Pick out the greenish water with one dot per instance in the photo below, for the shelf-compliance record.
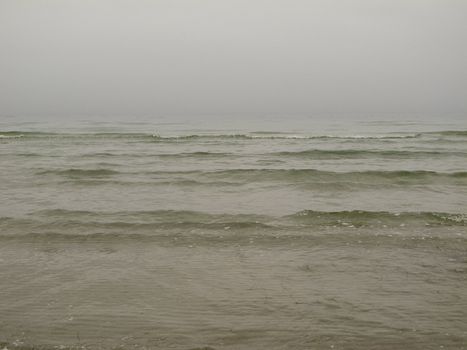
(266, 234)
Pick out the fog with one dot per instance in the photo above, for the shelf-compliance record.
(103, 58)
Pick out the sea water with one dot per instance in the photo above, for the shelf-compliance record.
(226, 233)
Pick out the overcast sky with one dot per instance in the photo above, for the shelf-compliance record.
(232, 57)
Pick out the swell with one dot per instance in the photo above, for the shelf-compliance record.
(195, 216)
(72, 135)
(311, 153)
(250, 135)
(282, 136)
(77, 226)
(268, 174)
(169, 222)
(262, 174)
(149, 216)
(156, 137)
(459, 133)
(198, 154)
(243, 136)
(355, 153)
(362, 218)
(79, 173)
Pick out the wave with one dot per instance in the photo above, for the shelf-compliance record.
(17, 134)
(354, 153)
(82, 221)
(255, 174)
(249, 175)
(459, 133)
(187, 183)
(177, 216)
(159, 138)
(194, 155)
(198, 154)
(5, 137)
(170, 215)
(72, 135)
(362, 218)
(62, 222)
(76, 172)
(278, 136)
(242, 136)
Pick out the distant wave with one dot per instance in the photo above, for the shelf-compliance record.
(311, 153)
(156, 137)
(253, 174)
(75, 172)
(194, 155)
(267, 174)
(244, 136)
(460, 133)
(198, 154)
(268, 136)
(355, 153)
(72, 135)
(11, 135)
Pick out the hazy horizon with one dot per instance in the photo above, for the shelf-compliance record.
(124, 59)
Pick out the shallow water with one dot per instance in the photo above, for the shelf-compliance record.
(239, 235)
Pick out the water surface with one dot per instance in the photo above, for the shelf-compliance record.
(266, 234)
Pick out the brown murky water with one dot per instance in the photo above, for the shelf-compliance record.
(233, 240)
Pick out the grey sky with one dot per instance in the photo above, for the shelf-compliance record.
(232, 57)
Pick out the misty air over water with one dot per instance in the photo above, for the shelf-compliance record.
(233, 174)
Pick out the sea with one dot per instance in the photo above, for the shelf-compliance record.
(233, 233)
